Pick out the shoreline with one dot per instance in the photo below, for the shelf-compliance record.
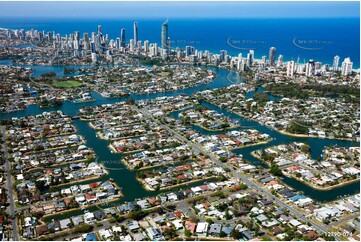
(173, 186)
(277, 130)
(316, 187)
(75, 209)
(313, 186)
(150, 167)
(255, 144)
(60, 164)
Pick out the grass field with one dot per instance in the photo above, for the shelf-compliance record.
(67, 84)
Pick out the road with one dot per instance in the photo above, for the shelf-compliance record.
(342, 220)
(9, 184)
(237, 175)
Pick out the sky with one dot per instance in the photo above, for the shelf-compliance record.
(138, 10)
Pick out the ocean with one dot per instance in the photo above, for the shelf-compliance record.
(296, 39)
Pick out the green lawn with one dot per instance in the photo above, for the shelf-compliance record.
(66, 84)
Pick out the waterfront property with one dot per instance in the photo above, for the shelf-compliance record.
(294, 160)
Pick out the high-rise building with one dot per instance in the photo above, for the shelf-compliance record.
(336, 61)
(117, 43)
(139, 45)
(346, 68)
(99, 29)
(264, 58)
(249, 60)
(92, 47)
(131, 45)
(76, 45)
(252, 55)
(222, 55)
(310, 68)
(146, 46)
(280, 60)
(135, 32)
(290, 68)
(272, 56)
(240, 56)
(190, 50)
(318, 65)
(50, 36)
(164, 37)
(94, 57)
(76, 35)
(122, 37)
(153, 49)
(86, 37)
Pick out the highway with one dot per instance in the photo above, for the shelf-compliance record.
(244, 179)
(9, 184)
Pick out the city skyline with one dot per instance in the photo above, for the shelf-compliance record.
(181, 9)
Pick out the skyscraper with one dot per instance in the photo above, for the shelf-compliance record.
(336, 61)
(252, 55)
(117, 43)
(222, 55)
(240, 56)
(122, 37)
(346, 68)
(77, 35)
(310, 68)
(290, 68)
(146, 46)
(50, 36)
(135, 32)
(99, 29)
(272, 56)
(280, 60)
(249, 60)
(164, 37)
(190, 50)
(131, 45)
(86, 37)
(264, 59)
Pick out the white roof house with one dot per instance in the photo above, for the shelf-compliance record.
(202, 228)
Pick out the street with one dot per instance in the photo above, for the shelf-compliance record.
(244, 179)
(7, 165)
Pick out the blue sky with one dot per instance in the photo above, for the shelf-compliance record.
(181, 9)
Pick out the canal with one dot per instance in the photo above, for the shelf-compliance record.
(126, 179)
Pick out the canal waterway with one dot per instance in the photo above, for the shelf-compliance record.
(126, 179)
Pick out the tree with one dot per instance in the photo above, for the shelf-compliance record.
(297, 127)
(261, 98)
(235, 234)
(136, 215)
(170, 233)
(275, 170)
(40, 185)
(209, 220)
(187, 233)
(222, 234)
